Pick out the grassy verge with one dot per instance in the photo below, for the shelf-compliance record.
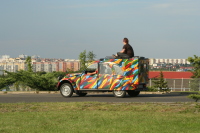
(188, 91)
(98, 117)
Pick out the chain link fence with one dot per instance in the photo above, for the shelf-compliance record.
(181, 84)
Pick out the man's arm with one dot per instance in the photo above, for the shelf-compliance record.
(92, 73)
(123, 50)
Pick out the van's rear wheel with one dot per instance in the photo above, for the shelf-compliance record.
(119, 94)
(133, 93)
(66, 90)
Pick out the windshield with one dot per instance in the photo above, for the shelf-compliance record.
(92, 67)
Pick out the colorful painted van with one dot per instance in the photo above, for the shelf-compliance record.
(119, 76)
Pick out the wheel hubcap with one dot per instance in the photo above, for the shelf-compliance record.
(118, 93)
(65, 90)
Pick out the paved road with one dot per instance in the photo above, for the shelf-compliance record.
(14, 98)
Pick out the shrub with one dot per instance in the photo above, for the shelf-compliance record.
(196, 97)
(152, 89)
(161, 83)
(194, 84)
(165, 90)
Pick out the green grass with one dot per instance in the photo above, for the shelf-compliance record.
(92, 117)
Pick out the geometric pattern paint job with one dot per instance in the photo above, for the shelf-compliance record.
(129, 78)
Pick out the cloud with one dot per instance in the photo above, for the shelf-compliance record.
(176, 7)
(85, 5)
(75, 6)
(161, 6)
(103, 4)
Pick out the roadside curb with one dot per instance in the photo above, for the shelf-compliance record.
(184, 93)
(28, 92)
(55, 92)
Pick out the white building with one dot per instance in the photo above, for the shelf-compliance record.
(5, 56)
(35, 57)
(23, 56)
(151, 61)
(167, 61)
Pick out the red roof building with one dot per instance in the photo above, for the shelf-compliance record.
(171, 74)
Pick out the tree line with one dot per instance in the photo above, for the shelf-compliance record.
(43, 81)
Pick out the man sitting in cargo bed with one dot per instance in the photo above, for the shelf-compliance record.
(127, 50)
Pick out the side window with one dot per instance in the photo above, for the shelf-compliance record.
(118, 70)
(143, 67)
(104, 69)
(108, 70)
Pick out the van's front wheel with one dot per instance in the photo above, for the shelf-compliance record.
(66, 90)
(119, 94)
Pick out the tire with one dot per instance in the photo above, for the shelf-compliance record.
(66, 90)
(119, 94)
(133, 93)
(80, 94)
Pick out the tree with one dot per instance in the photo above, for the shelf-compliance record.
(6, 81)
(195, 84)
(57, 74)
(195, 81)
(90, 56)
(161, 83)
(28, 62)
(83, 61)
(196, 64)
(70, 70)
(196, 97)
(42, 82)
(86, 58)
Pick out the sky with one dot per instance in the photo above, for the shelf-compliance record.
(64, 28)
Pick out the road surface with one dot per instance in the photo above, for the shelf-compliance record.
(14, 98)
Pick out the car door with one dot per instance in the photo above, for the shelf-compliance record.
(105, 78)
(87, 80)
(117, 77)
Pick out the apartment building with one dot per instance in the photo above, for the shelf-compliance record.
(38, 64)
(76, 66)
(61, 66)
(168, 61)
(13, 65)
(47, 67)
(55, 66)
